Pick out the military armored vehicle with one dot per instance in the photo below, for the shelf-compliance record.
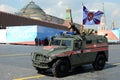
(71, 50)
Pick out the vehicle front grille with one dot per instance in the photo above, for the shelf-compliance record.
(41, 58)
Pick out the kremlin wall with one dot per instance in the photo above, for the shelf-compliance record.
(32, 22)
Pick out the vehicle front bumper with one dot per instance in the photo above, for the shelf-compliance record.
(40, 64)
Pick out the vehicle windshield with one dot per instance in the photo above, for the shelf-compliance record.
(62, 42)
(56, 42)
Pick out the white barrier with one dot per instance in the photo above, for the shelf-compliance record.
(2, 35)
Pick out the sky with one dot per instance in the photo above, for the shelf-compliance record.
(58, 8)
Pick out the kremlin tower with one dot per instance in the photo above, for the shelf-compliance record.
(103, 21)
(68, 18)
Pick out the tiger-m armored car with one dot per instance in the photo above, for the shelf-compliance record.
(67, 51)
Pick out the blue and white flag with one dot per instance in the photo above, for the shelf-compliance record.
(91, 17)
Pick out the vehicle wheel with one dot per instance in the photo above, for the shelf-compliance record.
(60, 68)
(99, 62)
(40, 70)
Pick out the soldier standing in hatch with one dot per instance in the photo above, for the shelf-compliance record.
(95, 32)
(82, 29)
(72, 28)
(86, 31)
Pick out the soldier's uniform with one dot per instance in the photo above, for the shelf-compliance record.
(86, 31)
(81, 31)
(73, 29)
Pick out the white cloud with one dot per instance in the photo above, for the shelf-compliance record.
(48, 11)
(6, 8)
(60, 3)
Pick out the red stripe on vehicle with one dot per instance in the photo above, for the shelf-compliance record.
(82, 51)
(95, 45)
(95, 49)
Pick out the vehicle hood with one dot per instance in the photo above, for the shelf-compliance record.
(52, 50)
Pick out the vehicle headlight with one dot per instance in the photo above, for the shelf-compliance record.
(32, 55)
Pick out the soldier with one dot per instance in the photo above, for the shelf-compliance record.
(46, 41)
(95, 32)
(73, 28)
(85, 31)
(36, 41)
(81, 29)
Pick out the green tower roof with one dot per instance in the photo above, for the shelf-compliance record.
(68, 14)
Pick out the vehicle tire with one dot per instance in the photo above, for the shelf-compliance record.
(60, 68)
(40, 70)
(99, 62)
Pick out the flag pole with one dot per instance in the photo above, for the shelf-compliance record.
(81, 25)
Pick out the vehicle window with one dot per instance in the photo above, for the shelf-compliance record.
(66, 43)
(77, 44)
(99, 41)
(88, 41)
(56, 42)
